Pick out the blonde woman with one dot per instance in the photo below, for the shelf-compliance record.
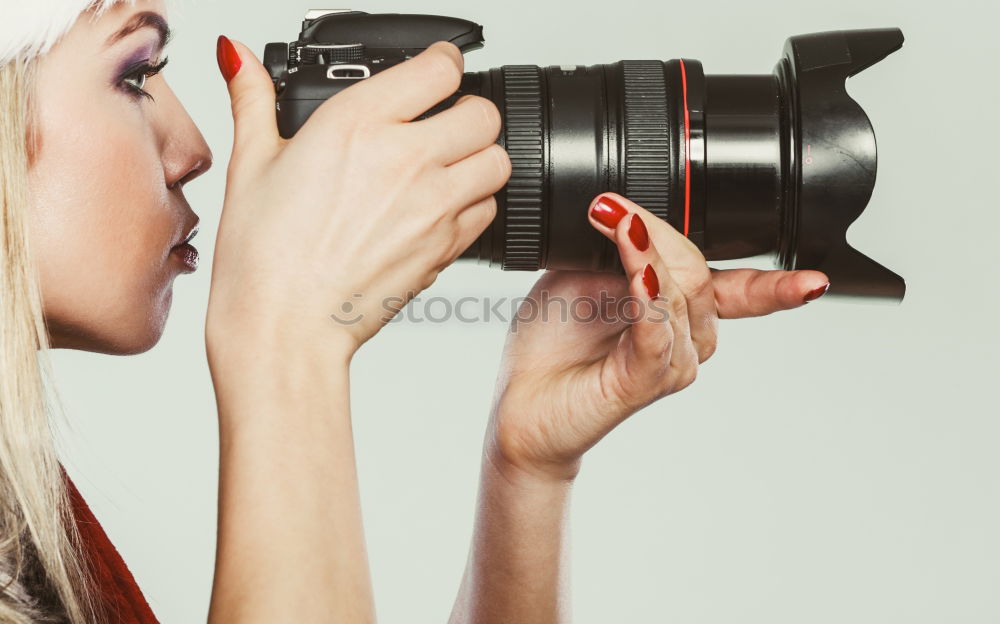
(96, 152)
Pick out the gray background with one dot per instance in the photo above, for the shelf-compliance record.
(833, 464)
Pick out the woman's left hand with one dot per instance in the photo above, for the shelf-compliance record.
(566, 382)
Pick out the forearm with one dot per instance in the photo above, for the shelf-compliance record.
(290, 537)
(517, 568)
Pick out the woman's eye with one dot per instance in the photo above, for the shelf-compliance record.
(135, 80)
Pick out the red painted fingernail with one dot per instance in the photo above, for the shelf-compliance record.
(608, 212)
(817, 293)
(228, 57)
(638, 233)
(650, 281)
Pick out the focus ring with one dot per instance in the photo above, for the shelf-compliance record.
(647, 136)
(523, 135)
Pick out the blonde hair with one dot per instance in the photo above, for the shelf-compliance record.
(44, 576)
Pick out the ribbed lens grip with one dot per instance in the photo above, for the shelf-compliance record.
(523, 133)
(647, 136)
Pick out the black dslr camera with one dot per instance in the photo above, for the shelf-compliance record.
(743, 165)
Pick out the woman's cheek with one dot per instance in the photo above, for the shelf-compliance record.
(103, 233)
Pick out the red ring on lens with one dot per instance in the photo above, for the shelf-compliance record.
(687, 152)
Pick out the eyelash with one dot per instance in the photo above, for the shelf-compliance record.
(140, 74)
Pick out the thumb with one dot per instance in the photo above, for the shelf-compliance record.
(252, 93)
(742, 293)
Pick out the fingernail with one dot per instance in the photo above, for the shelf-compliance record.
(638, 233)
(228, 57)
(608, 212)
(817, 293)
(650, 281)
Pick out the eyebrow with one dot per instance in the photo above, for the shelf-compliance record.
(146, 19)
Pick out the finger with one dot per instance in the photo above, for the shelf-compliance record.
(742, 293)
(251, 92)
(469, 126)
(682, 258)
(478, 176)
(686, 262)
(651, 278)
(409, 89)
(471, 222)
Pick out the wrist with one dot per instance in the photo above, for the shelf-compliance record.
(239, 336)
(257, 366)
(520, 492)
(526, 471)
(263, 384)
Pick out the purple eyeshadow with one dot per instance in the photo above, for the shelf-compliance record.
(133, 61)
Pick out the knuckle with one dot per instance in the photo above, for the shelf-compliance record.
(493, 169)
(451, 251)
(503, 161)
(247, 100)
(616, 389)
(433, 218)
(485, 213)
(664, 350)
(691, 376)
(399, 150)
(445, 68)
(452, 53)
(708, 337)
(417, 154)
(456, 246)
(450, 247)
(489, 211)
(678, 308)
(490, 114)
(685, 377)
(703, 284)
(443, 195)
(707, 350)
(372, 147)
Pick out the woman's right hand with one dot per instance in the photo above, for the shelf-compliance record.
(328, 231)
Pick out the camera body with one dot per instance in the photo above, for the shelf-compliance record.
(340, 47)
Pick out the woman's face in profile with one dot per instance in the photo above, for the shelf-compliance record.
(108, 216)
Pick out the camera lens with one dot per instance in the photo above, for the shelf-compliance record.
(776, 164)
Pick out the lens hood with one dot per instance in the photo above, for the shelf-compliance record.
(832, 159)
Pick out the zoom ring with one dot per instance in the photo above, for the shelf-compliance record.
(647, 136)
(523, 134)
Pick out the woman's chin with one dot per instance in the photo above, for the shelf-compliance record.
(130, 333)
(134, 345)
(119, 343)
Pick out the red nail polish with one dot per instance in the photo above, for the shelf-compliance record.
(638, 233)
(228, 57)
(816, 293)
(650, 281)
(608, 212)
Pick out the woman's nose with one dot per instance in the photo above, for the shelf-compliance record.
(185, 153)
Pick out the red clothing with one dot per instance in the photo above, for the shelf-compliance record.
(121, 595)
